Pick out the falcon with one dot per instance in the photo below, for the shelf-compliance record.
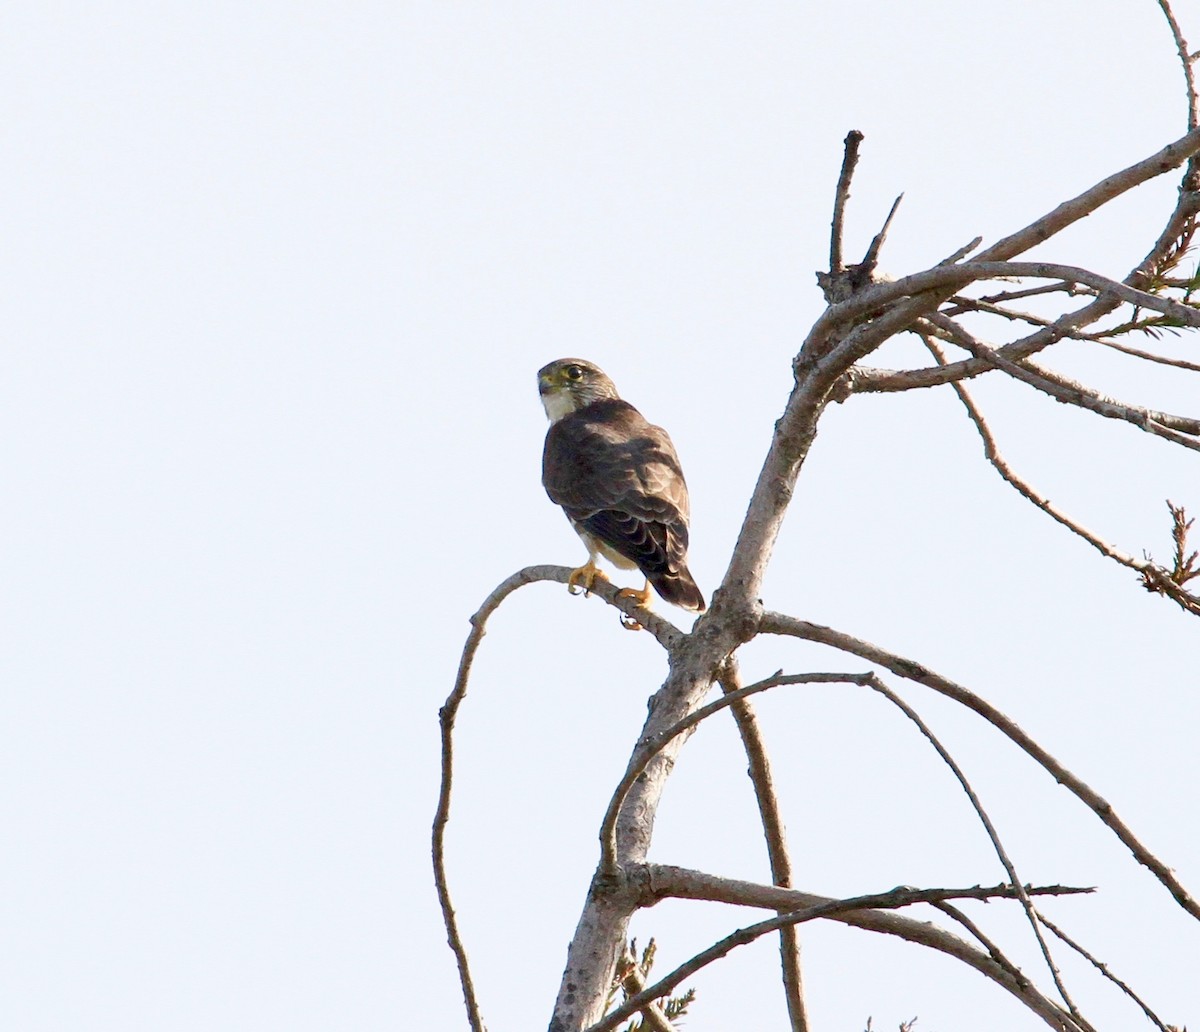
(618, 479)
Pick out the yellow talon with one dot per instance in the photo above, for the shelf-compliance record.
(641, 598)
(586, 576)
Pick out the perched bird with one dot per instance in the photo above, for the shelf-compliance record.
(618, 479)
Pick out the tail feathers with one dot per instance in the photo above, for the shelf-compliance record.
(679, 589)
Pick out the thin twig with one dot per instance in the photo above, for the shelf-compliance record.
(759, 769)
(900, 897)
(997, 955)
(1186, 61)
(1103, 969)
(1177, 363)
(780, 623)
(997, 845)
(1017, 295)
(941, 277)
(1155, 578)
(992, 453)
(1188, 315)
(648, 748)
(962, 252)
(871, 259)
(1181, 430)
(963, 305)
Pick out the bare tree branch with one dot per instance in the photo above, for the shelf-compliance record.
(1186, 61)
(651, 746)
(1180, 227)
(1154, 578)
(1188, 315)
(997, 845)
(940, 277)
(994, 951)
(843, 336)
(895, 898)
(849, 160)
(633, 983)
(652, 883)
(1103, 969)
(779, 623)
(1177, 363)
(667, 636)
(993, 455)
(922, 300)
(1181, 430)
(759, 769)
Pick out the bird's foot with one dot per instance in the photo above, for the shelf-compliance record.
(584, 577)
(641, 598)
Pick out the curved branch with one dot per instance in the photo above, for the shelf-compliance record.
(1103, 969)
(780, 623)
(992, 453)
(994, 951)
(993, 835)
(649, 747)
(665, 632)
(1185, 60)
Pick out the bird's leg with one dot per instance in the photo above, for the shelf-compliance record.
(585, 575)
(641, 598)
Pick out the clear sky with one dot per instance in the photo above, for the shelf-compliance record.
(276, 282)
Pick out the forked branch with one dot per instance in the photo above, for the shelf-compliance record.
(1050, 1012)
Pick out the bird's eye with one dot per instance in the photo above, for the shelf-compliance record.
(574, 372)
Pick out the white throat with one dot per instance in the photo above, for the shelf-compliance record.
(558, 404)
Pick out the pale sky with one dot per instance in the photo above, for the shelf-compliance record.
(277, 280)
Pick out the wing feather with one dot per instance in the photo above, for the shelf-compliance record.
(618, 476)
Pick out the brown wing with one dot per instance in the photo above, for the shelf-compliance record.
(618, 477)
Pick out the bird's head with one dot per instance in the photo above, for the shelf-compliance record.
(568, 384)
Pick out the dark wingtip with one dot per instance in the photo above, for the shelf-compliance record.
(680, 590)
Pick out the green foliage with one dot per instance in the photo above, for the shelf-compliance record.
(632, 975)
